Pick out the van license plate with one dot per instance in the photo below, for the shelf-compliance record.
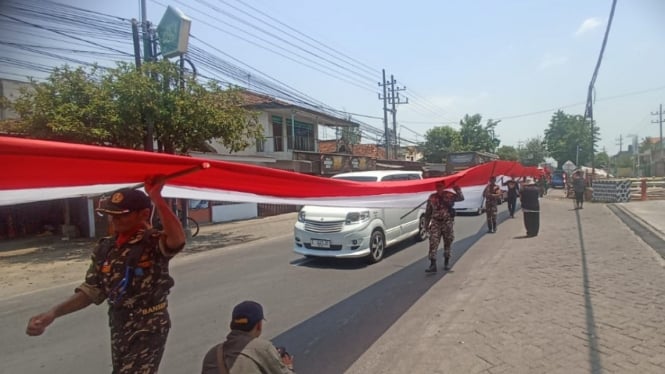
(319, 243)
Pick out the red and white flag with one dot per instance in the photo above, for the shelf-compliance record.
(35, 170)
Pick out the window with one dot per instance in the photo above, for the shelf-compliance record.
(304, 135)
(278, 145)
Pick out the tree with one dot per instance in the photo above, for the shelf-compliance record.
(111, 108)
(508, 153)
(533, 153)
(476, 137)
(565, 133)
(439, 141)
(602, 160)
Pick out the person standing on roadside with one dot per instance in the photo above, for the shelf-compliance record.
(579, 185)
(131, 272)
(513, 194)
(492, 195)
(244, 351)
(530, 207)
(440, 219)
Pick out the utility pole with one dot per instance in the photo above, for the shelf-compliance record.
(577, 155)
(137, 45)
(147, 56)
(659, 122)
(620, 143)
(395, 99)
(384, 84)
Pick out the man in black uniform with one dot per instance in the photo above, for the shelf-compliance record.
(513, 194)
(531, 207)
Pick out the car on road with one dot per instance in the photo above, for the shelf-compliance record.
(473, 202)
(345, 232)
(558, 180)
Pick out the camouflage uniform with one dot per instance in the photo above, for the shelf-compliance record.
(491, 204)
(440, 217)
(134, 277)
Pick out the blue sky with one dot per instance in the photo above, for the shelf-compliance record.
(502, 59)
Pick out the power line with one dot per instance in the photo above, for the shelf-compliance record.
(336, 53)
(281, 39)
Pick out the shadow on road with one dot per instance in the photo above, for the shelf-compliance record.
(331, 341)
(594, 356)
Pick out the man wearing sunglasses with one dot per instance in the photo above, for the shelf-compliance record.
(129, 271)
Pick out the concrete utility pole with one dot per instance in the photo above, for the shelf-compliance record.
(384, 84)
(660, 122)
(395, 99)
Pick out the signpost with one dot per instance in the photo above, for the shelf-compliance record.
(173, 32)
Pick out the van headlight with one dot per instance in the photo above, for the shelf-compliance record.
(357, 217)
(301, 216)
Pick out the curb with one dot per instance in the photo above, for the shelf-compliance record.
(641, 221)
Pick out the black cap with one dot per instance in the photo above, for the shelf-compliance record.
(124, 201)
(246, 315)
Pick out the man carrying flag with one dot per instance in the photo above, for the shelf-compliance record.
(440, 218)
(130, 271)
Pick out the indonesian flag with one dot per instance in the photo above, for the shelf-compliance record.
(35, 170)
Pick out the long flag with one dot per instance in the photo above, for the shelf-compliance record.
(34, 170)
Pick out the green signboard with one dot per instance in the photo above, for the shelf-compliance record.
(173, 32)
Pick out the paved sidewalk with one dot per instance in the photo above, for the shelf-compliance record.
(585, 296)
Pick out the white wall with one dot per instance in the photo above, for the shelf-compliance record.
(232, 212)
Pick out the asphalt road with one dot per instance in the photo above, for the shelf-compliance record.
(326, 312)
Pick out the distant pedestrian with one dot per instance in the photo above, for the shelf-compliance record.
(492, 195)
(243, 351)
(440, 219)
(530, 207)
(579, 185)
(513, 194)
(542, 185)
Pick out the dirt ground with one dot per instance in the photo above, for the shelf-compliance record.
(33, 264)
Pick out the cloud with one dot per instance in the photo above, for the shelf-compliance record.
(588, 25)
(549, 61)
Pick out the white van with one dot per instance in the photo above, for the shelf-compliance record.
(358, 232)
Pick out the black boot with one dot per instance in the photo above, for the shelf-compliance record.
(493, 226)
(432, 267)
(446, 263)
(489, 227)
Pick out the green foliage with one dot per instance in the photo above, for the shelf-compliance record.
(439, 141)
(565, 133)
(602, 160)
(625, 161)
(112, 108)
(352, 135)
(508, 153)
(476, 137)
(533, 153)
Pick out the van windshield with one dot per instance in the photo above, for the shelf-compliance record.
(358, 178)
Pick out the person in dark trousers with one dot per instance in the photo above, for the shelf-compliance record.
(513, 194)
(579, 185)
(243, 351)
(440, 219)
(530, 207)
(131, 272)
